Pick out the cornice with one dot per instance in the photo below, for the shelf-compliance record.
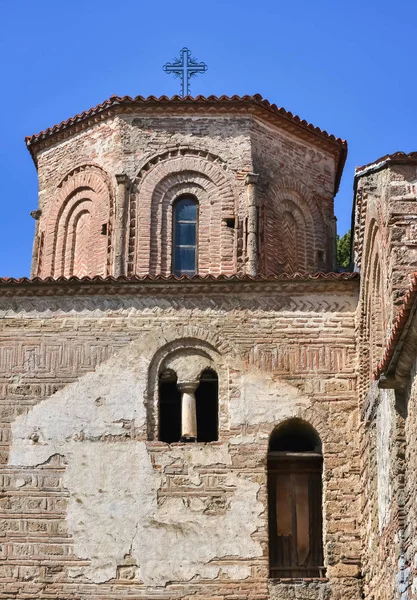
(184, 286)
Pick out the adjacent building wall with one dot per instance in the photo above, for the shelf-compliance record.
(385, 251)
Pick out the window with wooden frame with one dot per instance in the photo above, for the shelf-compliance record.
(295, 465)
(184, 236)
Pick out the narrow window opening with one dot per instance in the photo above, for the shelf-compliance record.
(207, 405)
(184, 251)
(230, 223)
(320, 257)
(104, 229)
(169, 408)
(295, 467)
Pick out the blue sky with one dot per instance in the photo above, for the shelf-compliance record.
(347, 66)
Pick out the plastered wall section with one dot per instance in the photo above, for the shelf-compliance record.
(90, 506)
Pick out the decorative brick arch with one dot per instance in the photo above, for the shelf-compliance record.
(186, 346)
(373, 305)
(157, 187)
(77, 226)
(313, 417)
(294, 229)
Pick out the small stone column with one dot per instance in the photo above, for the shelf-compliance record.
(188, 411)
(120, 224)
(252, 239)
(34, 271)
(332, 251)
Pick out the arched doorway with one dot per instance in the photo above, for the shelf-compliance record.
(295, 464)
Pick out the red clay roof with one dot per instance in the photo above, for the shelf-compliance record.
(211, 102)
(398, 327)
(9, 281)
(394, 157)
(157, 284)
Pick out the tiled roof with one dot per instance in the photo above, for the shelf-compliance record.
(394, 157)
(398, 328)
(179, 278)
(188, 103)
(61, 285)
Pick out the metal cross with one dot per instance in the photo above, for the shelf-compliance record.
(185, 67)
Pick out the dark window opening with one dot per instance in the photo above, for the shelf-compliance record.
(295, 502)
(184, 250)
(207, 405)
(104, 229)
(169, 408)
(295, 435)
(230, 223)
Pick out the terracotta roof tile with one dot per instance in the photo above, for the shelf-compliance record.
(11, 281)
(178, 101)
(143, 285)
(394, 157)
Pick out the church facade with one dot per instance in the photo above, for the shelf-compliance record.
(195, 403)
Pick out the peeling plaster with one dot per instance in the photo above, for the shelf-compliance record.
(114, 509)
(384, 422)
(92, 407)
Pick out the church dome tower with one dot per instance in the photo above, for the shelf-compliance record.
(182, 186)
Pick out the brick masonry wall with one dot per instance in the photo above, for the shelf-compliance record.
(168, 156)
(296, 190)
(408, 565)
(92, 506)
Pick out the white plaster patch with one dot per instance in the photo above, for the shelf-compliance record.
(383, 452)
(264, 399)
(93, 406)
(113, 509)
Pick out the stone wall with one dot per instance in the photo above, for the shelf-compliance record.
(385, 251)
(93, 505)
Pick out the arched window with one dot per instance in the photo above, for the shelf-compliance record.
(200, 408)
(184, 247)
(295, 467)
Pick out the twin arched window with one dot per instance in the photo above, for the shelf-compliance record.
(184, 236)
(206, 407)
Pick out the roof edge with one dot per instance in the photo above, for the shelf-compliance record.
(379, 164)
(157, 284)
(119, 103)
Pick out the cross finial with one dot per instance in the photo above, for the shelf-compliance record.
(185, 67)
